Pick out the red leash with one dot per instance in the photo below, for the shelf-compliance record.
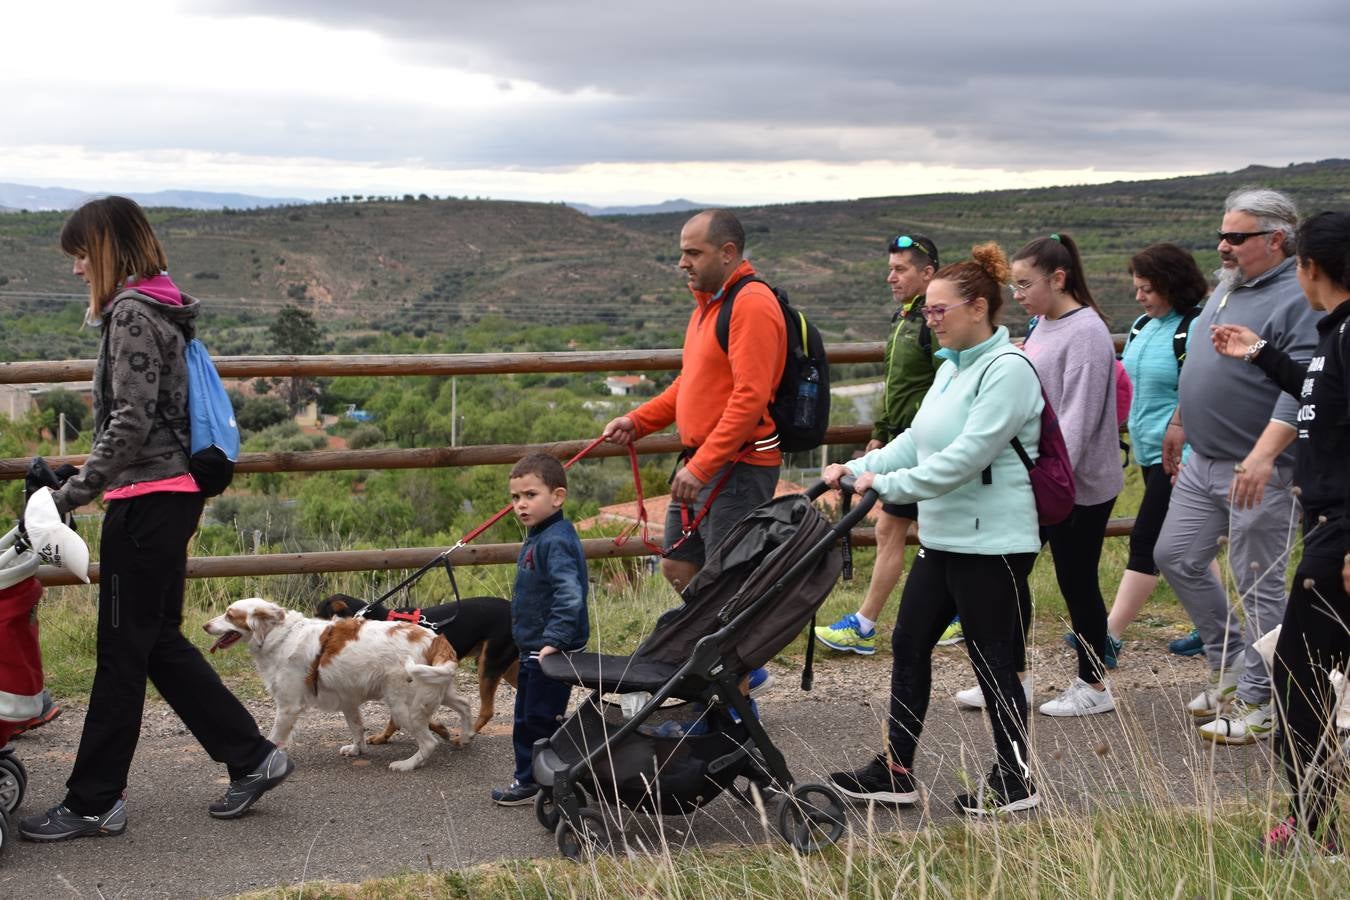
(687, 528)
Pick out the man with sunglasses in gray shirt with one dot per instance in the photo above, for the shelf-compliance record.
(1235, 487)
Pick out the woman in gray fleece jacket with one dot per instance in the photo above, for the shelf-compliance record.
(1076, 359)
(139, 464)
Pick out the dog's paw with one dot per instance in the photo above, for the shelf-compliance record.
(404, 765)
(350, 750)
(378, 739)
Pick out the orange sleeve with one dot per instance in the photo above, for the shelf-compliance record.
(657, 412)
(756, 350)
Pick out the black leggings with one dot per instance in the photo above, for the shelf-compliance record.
(143, 564)
(1148, 521)
(1076, 546)
(1314, 640)
(990, 594)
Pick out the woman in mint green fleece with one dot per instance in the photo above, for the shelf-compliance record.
(977, 533)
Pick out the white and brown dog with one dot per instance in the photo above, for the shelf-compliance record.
(311, 663)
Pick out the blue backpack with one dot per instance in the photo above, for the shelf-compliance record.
(214, 435)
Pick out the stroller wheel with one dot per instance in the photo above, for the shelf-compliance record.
(546, 809)
(584, 840)
(811, 817)
(13, 783)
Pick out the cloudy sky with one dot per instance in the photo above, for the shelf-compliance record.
(605, 101)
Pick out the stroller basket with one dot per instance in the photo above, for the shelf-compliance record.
(648, 771)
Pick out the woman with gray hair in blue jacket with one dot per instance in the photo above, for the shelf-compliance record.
(978, 534)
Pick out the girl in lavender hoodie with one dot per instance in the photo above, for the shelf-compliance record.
(1075, 358)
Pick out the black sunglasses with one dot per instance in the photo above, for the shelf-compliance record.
(1236, 238)
(905, 242)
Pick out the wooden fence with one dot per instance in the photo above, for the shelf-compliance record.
(430, 457)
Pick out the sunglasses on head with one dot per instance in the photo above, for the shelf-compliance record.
(905, 242)
(1235, 238)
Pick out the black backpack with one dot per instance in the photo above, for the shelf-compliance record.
(801, 402)
(1178, 336)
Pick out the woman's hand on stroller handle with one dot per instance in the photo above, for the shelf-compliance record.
(837, 475)
(832, 473)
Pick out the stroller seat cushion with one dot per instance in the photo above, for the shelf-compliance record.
(603, 672)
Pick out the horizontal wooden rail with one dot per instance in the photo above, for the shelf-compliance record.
(415, 557)
(433, 457)
(419, 364)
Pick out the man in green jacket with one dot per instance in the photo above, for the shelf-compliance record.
(909, 365)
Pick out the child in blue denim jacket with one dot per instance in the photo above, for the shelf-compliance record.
(548, 611)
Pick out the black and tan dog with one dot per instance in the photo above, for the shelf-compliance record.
(478, 628)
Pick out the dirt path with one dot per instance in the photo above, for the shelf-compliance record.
(348, 820)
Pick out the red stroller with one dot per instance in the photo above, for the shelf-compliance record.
(20, 665)
(46, 539)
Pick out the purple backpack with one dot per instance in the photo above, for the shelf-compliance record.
(1051, 472)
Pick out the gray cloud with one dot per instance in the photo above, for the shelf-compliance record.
(1046, 85)
(1037, 85)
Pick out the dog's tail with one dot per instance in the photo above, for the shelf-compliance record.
(438, 666)
(438, 674)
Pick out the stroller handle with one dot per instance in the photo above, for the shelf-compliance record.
(846, 484)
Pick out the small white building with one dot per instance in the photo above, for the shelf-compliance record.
(623, 385)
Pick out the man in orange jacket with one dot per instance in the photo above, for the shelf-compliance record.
(719, 401)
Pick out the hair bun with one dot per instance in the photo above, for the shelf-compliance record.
(991, 258)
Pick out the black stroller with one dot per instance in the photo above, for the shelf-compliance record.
(759, 588)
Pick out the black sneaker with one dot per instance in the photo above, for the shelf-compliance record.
(244, 792)
(515, 794)
(880, 781)
(60, 824)
(999, 793)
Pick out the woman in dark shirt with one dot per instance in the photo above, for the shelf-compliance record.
(1315, 637)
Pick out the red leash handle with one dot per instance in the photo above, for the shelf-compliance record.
(687, 527)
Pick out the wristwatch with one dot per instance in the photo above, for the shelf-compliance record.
(1253, 350)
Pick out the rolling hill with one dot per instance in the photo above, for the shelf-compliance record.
(443, 263)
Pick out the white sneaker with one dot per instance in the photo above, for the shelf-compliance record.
(1215, 698)
(973, 698)
(1242, 723)
(1080, 699)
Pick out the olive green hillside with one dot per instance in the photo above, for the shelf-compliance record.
(388, 264)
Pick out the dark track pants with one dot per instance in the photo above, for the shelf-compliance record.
(142, 573)
(990, 594)
(1315, 639)
(1076, 547)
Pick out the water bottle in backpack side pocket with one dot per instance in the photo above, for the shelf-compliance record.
(804, 416)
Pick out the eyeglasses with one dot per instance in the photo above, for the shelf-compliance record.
(1021, 287)
(905, 242)
(936, 314)
(1236, 238)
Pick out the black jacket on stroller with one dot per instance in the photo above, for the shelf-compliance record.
(759, 588)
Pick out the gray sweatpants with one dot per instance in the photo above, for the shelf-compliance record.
(1259, 541)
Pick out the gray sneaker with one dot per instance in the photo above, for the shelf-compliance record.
(244, 792)
(60, 824)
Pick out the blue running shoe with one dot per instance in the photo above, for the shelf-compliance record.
(1190, 645)
(847, 634)
(761, 680)
(1113, 648)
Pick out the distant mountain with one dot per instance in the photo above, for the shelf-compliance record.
(666, 206)
(25, 196)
